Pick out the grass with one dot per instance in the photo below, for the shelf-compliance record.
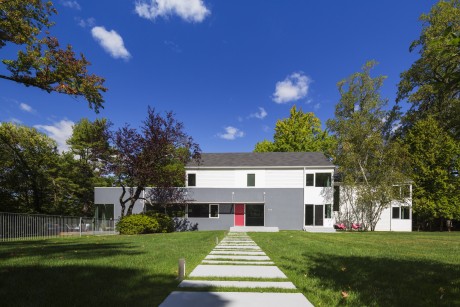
(369, 269)
(104, 271)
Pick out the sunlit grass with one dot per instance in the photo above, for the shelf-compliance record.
(98, 271)
(369, 269)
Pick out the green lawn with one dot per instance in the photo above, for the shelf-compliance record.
(373, 269)
(98, 271)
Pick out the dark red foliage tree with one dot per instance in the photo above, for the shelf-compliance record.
(154, 157)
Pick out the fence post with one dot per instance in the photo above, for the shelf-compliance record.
(80, 226)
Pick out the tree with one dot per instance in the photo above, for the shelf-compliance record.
(300, 132)
(369, 163)
(435, 161)
(154, 157)
(43, 64)
(432, 83)
(28, 163)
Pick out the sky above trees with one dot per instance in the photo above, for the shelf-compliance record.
(228, 69)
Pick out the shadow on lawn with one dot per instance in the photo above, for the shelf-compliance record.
(82, 286)
(72, 250)
(375, 281)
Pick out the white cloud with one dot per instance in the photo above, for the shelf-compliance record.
(25, 107)
(316, 106)
(60, 132)
(231, 133)
(260, 115)
(293, 88)
(71, 4)
(189, 10)
(111, 41)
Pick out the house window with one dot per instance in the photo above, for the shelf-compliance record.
(336, 198)
(214, 210)
(405, 213)
(251, 180)
(191, 180)
(309, 180)
(323, 180)
(198, 210)
(396, 212)
(327, 211)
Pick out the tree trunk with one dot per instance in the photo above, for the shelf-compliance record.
(133, 199)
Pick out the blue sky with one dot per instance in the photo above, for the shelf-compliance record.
(228, 69)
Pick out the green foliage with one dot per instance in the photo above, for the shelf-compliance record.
(137, 224)
(299, 132)
(432, 83)
(28, 167)
(43, 64)
(435, 158)
(165, 223)
(369, 163)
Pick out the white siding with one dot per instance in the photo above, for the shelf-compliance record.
(284, 178)
(237, 178)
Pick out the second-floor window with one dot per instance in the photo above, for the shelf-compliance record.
(251, 180)
(191, 180)
(310, 180)
(323, 180)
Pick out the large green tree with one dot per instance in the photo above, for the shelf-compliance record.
(301, 131)
(435, 161)
(42, 63)
(432, 84)
(370, 164)
(28, 163)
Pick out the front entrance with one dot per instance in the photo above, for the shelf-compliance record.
(249, 215)
(314, 215)
(239, 214)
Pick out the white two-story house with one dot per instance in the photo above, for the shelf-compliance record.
(284, 190)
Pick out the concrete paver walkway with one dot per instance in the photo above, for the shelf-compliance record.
(236, 256)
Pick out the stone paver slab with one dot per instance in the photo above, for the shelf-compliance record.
(237, 284)
(237, 253)
(237, 271)
(234, 299)
(239, 257)
(237, 262)
(236, 247)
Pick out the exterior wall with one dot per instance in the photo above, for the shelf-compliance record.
(112, 196)
(237, 178)
(283, 207)
(386, 221)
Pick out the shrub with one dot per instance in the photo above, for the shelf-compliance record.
(137, 224)
(165, 223)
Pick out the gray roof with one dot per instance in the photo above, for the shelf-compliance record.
(262, 159)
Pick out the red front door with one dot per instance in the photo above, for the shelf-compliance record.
(239, 214)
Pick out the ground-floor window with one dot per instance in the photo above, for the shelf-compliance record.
(203, 210)
(402, 213)
(314, 215)
(327, 211)
(254, 215)
(214, 210)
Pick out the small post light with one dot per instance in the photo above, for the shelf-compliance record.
(181, 270)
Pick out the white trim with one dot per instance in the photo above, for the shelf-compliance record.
(258, 167)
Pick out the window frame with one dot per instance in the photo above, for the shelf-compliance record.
(210, 211)
(312, 180)
(326, 186)
(404, 209)
(328, 211)
(188, 179)
(398, 210)
(248, 176)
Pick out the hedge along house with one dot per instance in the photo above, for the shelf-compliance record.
(284, 190)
